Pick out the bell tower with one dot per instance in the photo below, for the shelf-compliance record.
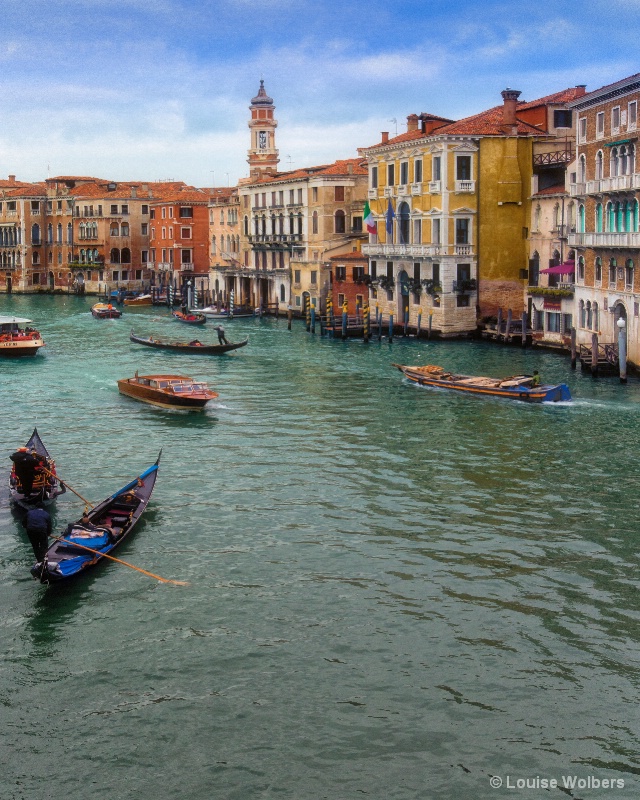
(263, 155)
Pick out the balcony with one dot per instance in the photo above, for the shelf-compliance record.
(187, 267)
(577, 189)
(417, 250)
(161, 266)
(465, 187)
(604, 239)
(465, 287)
(275, 239)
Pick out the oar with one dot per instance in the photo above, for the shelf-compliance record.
(120, 561)
(58, 478)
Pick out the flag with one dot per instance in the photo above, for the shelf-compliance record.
(369, 221)
(390, 216)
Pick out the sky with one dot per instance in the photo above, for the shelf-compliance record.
(160, 89)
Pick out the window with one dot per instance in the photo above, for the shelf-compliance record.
(314, 194)
(436, 168)
(124, 230)
(404, 173)
(35, 206)
(296, 276)
(144, 256)
(599, 124)
(435, 231)
(615, 119)
(463, 168)
(632, 118)
(185, 256)
(391, 174)
(562, 118)
(598, 270)
(114, 210)
(314, 277)
(374, 177)
(553, 322)
(599, 158)
(144, 229)
(356, 224)
(185, 233)
(462, 231)
(152, 213)
(339, 219)
(300, 195)
(125, 209)
(338, 194)
(582, 129)
(186, 212)
(144, 210)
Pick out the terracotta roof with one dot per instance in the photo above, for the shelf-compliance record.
(564, 96)
(27, 190)
(340, 167)
(354, 256)
(622, 82)
(557, 188)
(486, 123)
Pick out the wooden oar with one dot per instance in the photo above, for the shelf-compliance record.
(120, 561)
(58, 478)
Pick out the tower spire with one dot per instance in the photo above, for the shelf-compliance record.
(263, 155)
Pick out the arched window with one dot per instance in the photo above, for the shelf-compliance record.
(619, 217)
(589, 322)
(613, 266)
(281, 223)
(599, 218)
(581, 314)
(556, 216)
(598, 269)
(273, 224)
(314, 222)
(599, 174)
(246, 226)
(125, 257)
(536, 218)
(635, 219)
(59, 233)
(282, 293)
(582, 177)
(631, 159)
(263, 225)
(69, 233)
(614, 162)
(114, 256)
(49, 233)
(83, 230)
(581, 268)
(581, 221)
(628, 273)
(339, 222)
(628, 219)
(214, 251)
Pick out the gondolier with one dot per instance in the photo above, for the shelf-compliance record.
(38, 525)
(221, 337)
(26, 465)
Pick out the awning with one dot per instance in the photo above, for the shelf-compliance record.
(561, 269)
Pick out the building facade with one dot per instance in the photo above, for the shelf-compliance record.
(607, 237)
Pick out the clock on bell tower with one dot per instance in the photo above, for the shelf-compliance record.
(263, 155)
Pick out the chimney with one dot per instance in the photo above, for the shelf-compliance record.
(510, 98)
(12, 178)
(385, 137)
(134, 191)
(412, 123)
(350, 168)
(581, 88)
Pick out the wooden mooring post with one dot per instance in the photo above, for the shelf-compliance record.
(390, 327)
(524, 328)
(508, 328)
(594, 355)
(574, 354)
(499, 325)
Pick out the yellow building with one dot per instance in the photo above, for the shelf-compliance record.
(451, 202)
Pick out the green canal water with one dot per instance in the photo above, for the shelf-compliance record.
(394, 592)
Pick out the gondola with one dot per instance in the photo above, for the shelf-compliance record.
(189, 319)
(71, 553)
(188, 347)
(45, 488)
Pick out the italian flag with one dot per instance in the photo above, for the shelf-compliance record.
(369, 221)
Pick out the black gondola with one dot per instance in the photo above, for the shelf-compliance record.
(104, 527)
(29, 484)
(189, 319)
(188, 347)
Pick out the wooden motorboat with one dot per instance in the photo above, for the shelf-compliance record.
(167, 391)
(33, 480)
(190, 318)
(516, 387)
(103, 528)
(211, 312)
(105, 311)
(17, 338)
(193, 346)
(140, 300)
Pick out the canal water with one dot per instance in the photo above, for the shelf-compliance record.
(393, 592)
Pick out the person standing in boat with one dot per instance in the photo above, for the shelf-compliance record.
(535, 381)
(38, 525)
(222, 339)
(26, 464)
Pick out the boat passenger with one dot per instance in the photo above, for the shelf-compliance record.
(38, 525)
(535, 381)
(195, 343)
(26, 466)
(87, 525)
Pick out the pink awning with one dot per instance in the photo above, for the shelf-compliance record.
(561, 269)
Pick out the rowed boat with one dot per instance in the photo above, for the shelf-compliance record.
(190, 318)
(17, 338)
(167, 391)
(188, 347)
(516, 387)
(105, 311)
(101, 530)
(139, 300)
(29, 484)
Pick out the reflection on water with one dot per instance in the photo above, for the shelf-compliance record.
(393, 591)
